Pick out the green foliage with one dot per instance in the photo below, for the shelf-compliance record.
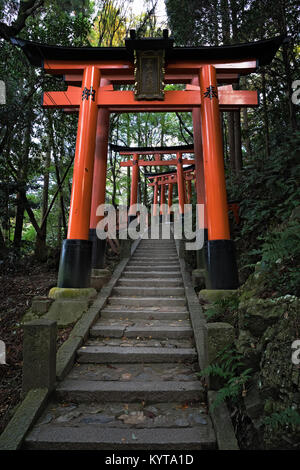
(229, 367)
(288, 418)
(268, 191)
(223, 307)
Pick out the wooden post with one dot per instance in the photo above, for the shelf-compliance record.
(162, 199)
(180, 183)
(99, 184)
(170, 197)
(75, 262)
(189, 191)
(134, 185)
(222, 268)
(155, 198)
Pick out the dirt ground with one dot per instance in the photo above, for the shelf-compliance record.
(18, 285)
(17, 288)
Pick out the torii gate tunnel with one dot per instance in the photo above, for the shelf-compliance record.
(90, 74)
(158, 161)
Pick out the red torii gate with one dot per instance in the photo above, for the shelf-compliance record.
(170, 178)
(158, 161)
(84, 71)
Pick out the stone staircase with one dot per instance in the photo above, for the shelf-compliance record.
(134, 384)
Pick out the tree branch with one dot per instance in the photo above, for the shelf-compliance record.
(26, 9)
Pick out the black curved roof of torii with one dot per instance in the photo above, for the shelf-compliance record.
(263, 51)
(187, 168)
(174, 149)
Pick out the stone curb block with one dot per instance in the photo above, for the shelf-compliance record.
(222, 424)
(26, 414)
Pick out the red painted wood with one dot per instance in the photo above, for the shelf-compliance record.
(173, 99)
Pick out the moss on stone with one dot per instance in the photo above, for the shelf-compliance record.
(72, 293)
(211, 295)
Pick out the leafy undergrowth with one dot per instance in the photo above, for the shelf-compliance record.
(18, 285)
(20, 281)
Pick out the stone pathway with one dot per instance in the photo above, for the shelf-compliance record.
(135, 383)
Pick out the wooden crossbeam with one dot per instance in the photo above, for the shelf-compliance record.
(173, 99)
(115, 79)
(173, 179)
(158, 163)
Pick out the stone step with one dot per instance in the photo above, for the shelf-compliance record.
(157, 242)
(151, 262)
(158, 251)
(99, 437)
(152, 274)
(173, 314)
(151, 281)
(137, 372)
(156, 329)
(142, 291)
(111, 354)
(153, 258)
(89, 391)
(150, 269)
(156, 254)
(147, 301)
(148, 254)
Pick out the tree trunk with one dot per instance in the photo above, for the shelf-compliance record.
(265, 114)
(246, 129)
(3, 249)
(19, 222)
(40, 242)
(225, 21)
(59, 227)
(231, 140)
(215, 23)
(22, 179)
(237, 142)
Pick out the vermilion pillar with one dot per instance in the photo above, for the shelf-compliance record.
(189, 191)
(162, 200)
(155, 197)
(134, 185)
(99, 183)
(180, 183)
(221, 265)
(75, 261)
(199, 181)
(170, 198)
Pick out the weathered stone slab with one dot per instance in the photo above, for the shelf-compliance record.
(41, 304)
(89, 391)
(87, 438)
(66, 356)
(70, 293)
(100, 278)
(198, 277)
(219, 336)
(26, 414)
(66, 312)
(211, 295)
(147, 301)
(39, 355)
(107, 354)
(225, 435)
(148, 291)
